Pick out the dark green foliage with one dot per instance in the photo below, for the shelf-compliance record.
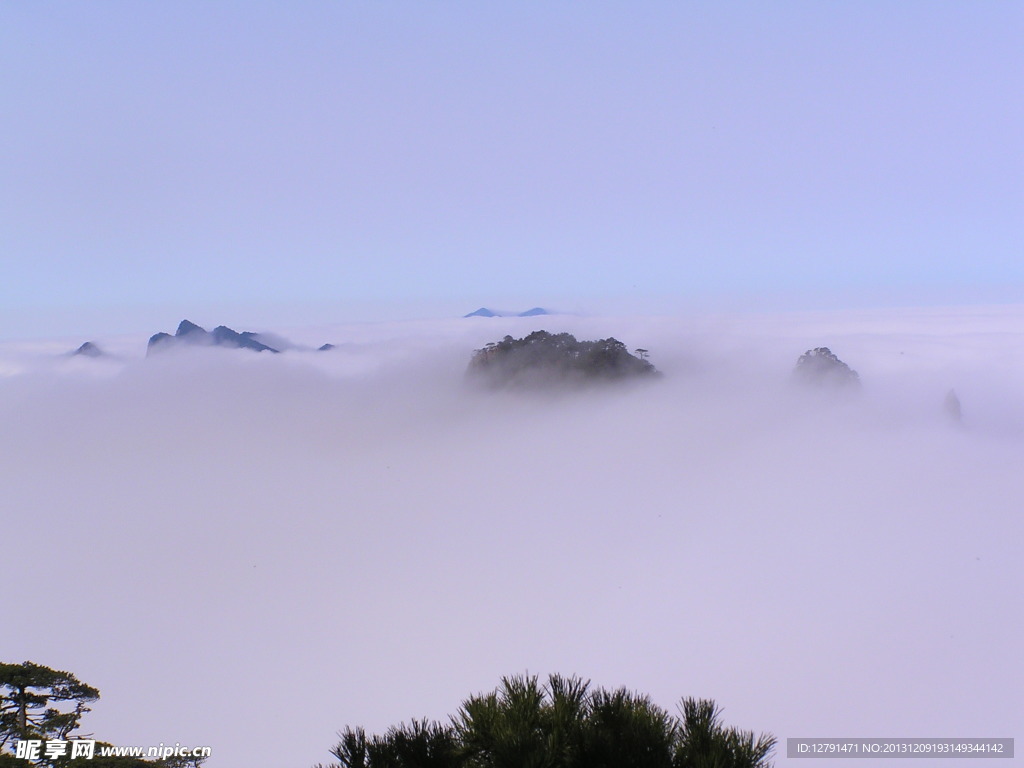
(514, 726)
(626, 730)
(114, 761)
(705, 743)
(422, 744)
(37, 702)
(544, 358)
(564, 724)
(181, 762)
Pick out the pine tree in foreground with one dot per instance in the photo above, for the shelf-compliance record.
(564, 723)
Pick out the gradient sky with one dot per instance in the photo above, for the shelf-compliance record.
(264, 160)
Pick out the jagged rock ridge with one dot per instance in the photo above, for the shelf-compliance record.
(221, 336)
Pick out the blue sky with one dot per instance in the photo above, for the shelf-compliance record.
(255, 162)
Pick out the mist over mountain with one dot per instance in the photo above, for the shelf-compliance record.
(543, 359)
(821, 368)
(88, 349)
(221, 336)
(331, 497)
(190, 334)
(392, 537)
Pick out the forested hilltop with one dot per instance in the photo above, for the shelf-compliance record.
(543, 358)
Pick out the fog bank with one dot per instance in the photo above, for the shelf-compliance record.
(232, 545)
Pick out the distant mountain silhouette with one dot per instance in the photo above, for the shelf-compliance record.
(188, 328)
(88, 349)
(191, 334)
(544, 359)
(225, 337)
(485, 312)
(951, 405)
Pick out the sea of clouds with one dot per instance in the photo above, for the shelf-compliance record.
(252, 551)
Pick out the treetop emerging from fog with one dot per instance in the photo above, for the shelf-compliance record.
(544, 358)
(821, 367)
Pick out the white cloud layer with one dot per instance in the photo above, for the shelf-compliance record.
(252, 551)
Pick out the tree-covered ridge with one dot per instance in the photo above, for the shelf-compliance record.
(821, 367)
(544, 358)
(562, 724)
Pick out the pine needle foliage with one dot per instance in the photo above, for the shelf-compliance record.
(563, 723)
